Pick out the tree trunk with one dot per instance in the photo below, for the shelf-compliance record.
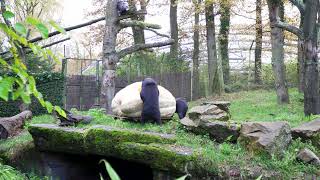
(215, 81)
(196, 51)
(10, 126)
(311, 89)
(174, 29)
(138, 32)
(277, 42)
(110, 57)
(224, 38)
(301, 68)
(258, 49)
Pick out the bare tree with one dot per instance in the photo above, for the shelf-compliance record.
(215, 81)
(277, 43)
(196, 51)
(110, 56)
(224, 37)
(258, 49)
(174, 29)
(309, 35)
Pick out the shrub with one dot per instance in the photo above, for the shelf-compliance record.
(51, 85)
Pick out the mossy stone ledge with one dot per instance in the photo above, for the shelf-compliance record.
(154, 149)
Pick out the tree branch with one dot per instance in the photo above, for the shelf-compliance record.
(58, 32)
(140, 24)
(44, 46)
(299, 4)
(69, 29)
(130, 14)
(139, 47)
(298, 32)
(157, 33)
(56, 42)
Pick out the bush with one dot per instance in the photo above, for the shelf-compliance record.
(49, 84)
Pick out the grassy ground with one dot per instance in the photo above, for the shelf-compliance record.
(246, 106)
(261, 105)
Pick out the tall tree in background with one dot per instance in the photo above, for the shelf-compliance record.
(225, 6)
(110, 57)
(310, 36)
(174, 49)
(301, 69)
(196, 51)
(258, 49)
(277, 43)
(215, 81)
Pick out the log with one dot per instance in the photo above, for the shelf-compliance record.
(10, 126)
(72, 119)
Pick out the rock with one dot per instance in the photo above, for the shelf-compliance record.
(207, 113)
(308, 131)
(265, 137)
(307, 156)
(224, 105)
(128, 104)
(222, 131)
(219, 131)
(208, 118)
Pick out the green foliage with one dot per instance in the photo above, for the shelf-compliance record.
(16, 82)
(240, 81)
(50, 86)
(112, 173)
(8, 15)
(8, 172)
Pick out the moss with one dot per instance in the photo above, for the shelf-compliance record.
(12, 147)
(52, 137)
(158, 156)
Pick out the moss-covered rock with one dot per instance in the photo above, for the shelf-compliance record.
(154, 149)
(59, 139)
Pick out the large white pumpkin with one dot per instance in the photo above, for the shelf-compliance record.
(127, 102)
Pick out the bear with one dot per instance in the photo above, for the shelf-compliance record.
(122, 7)
(181, 107)
(150, 96)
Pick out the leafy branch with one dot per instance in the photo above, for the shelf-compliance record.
(19, 84)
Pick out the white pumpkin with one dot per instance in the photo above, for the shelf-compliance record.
(127, 102)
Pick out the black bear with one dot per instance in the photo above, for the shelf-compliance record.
(122, 7)
(181, 107)
(150, 96)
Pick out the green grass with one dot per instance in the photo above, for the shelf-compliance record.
(261, 105)
(257, 105)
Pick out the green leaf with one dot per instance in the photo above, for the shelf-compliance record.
(112, 173)
(260, 177)
(183, 177)
(49, 106)
(25, 97)
(57, 27)
(16, 94)
(60, 111)
(8, 14)
(43, 30)
(20, 29)
(32, 21)
(6, 87)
